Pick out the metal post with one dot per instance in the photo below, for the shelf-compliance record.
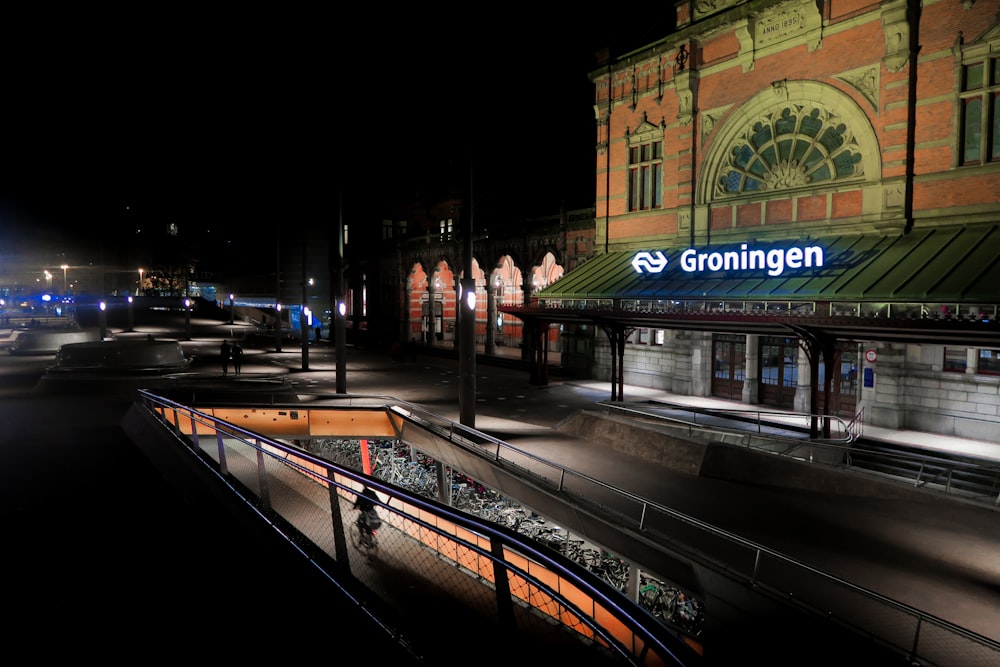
(277, 294)
(467, 334)
(340, 309)
(303, 326)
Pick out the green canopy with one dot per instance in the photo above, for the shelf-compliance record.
(956, 264)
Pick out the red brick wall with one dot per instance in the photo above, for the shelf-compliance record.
(748, 215)
(779, 211)
(721, 217)
(840, 56)
(812, 208)
(846, 204)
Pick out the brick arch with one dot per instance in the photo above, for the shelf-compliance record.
(511, 281)
(505, 285)
(545, 272)
(799, 135)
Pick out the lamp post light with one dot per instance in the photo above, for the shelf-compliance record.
(277, 327)
(304, 323)
(138, 291)
(187, 318)
(467, 351)
(64, 267)
(130, 320)
(103, 319)
(230, 307)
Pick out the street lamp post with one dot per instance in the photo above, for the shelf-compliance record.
(139, 290)
(187, 318)
(277, 327)
(130, 320)
(64, 267)
(103, 319)
(303, 323)
(230, 307)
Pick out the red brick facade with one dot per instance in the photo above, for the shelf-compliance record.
(709, 88)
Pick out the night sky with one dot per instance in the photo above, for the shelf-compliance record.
(234, 122)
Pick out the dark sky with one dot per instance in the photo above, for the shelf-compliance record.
(234, 121)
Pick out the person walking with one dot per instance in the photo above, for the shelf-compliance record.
(237, 358)
(368, 519)
(225, 353)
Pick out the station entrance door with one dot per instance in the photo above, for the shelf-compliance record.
(779, 371)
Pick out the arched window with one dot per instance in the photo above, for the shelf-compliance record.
(796, 146)
(811, 136)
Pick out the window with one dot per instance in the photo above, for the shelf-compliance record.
(446, 230)
(386, 230)
(643, 336)
(955, 359)
(989, 362)
(794, 147)
(645, 176)
(659, 336)
(979, 104)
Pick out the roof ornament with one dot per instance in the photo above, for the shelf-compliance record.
(682, 57)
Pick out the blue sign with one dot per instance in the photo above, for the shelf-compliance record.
(869, 379)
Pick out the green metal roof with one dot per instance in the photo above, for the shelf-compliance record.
(957, 264)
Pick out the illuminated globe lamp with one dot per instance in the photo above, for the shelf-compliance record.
(103, 317)
(277, 327)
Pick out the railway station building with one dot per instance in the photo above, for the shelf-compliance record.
(797, 205)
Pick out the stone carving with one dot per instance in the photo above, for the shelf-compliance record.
(897, 37)
(745, 39)
(892, 196)
(865, 81)
(684, 219)
(703, 8)
(780, 89)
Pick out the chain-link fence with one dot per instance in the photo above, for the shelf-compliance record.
(440, 573)
(415, 459)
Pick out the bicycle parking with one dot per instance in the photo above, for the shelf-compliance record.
(402, 465)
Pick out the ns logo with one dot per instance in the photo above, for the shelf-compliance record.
(649, 262)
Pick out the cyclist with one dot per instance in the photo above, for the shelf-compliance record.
(368, 520)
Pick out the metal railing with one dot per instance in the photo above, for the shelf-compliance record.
(786, 434)
(520, 587)
(908, 630)
(919, 635)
